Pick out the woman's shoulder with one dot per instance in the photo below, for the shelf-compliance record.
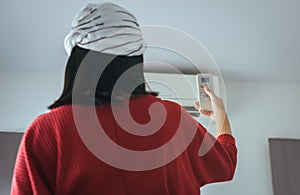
(48, 120)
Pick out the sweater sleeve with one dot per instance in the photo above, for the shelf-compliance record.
(35, 158)
(213, 159)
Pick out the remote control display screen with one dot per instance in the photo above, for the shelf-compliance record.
(205, 80)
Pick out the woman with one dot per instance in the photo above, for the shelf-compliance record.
(54, 156)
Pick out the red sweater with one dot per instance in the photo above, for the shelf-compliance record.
(53, 159)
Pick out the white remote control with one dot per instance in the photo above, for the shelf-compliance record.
(204, 80)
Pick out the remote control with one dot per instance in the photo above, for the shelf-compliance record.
(204, 80)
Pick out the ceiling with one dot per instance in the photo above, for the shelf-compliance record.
(249, 40)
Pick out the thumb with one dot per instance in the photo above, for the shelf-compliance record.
(210, 93)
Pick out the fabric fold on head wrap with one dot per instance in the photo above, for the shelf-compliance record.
(106, 28)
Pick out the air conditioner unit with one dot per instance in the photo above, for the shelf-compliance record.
(179, 88)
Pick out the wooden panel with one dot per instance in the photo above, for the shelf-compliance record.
(9, 144)
(285, 166)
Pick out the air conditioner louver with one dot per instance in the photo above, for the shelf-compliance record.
(192, 110)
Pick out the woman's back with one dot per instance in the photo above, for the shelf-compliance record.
(53, 159)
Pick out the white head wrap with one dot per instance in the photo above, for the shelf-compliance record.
(107, 28)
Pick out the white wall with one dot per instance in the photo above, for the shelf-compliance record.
(245, 37)
(257, 111)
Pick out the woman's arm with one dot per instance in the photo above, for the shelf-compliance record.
(218, 113)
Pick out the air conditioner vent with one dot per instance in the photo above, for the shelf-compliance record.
(179, 88)
(192, 110)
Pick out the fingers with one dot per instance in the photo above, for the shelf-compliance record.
(206, 112)
(197, 105)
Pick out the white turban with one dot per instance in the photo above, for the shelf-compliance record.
(107, 28)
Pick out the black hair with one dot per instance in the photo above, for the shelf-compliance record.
(116, 66)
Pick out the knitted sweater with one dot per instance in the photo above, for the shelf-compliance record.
(53, 159)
